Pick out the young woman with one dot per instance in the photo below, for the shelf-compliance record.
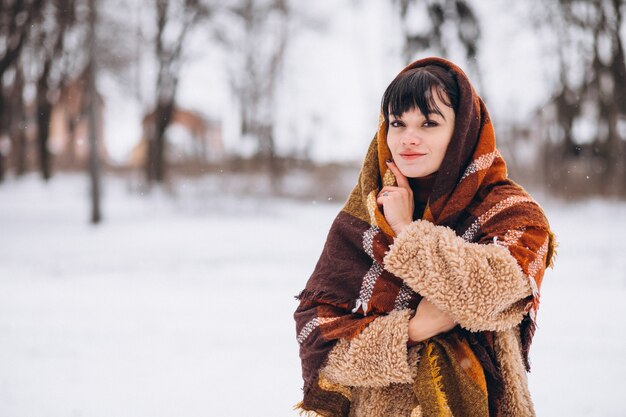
(424, 298)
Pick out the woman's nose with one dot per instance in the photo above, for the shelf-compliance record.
(411, 138)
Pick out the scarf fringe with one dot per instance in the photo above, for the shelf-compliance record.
(305, 413)
(552, 252)
(527, 331)
(323, 399)
(317, 296)
(482, 345)
(435, 373)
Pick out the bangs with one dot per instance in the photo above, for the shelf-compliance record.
(415, 89)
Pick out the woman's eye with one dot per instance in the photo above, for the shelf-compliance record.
(430, 123)
(396, 123)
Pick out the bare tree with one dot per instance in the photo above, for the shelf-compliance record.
(17, 121)
(457, 16)
(48, 37)
(591, 91)
(178, 18)
(255, 34)
(92, 99)
(16, 18)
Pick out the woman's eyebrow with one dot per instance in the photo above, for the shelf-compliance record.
(435, 114)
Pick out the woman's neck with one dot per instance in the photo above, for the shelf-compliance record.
(422, 186)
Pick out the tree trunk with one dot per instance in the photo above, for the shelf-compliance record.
(19, 150)
(17, 124)
(44, 112)
(156, 160)
(92, 97)
(3, 164)
(4, 127)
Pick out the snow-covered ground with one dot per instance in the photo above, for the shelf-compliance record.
(183, 307)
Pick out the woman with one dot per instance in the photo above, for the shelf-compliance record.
(424, 298)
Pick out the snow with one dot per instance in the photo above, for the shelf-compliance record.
(183, 305)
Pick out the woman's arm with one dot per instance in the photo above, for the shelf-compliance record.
(481, 286)
(381, 354)
(377, 357)
(429, 321)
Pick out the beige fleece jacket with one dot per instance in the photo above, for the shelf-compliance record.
(481, 286)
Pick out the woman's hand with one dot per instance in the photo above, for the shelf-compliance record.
(398, 204)
(429, 321)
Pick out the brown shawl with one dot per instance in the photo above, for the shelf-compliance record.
(472, 195)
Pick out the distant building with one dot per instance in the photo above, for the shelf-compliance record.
(192, 139)
(68, 134)
(68, 139)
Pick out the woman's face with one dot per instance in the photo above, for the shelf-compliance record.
(418, 143)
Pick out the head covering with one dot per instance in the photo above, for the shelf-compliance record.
(471, 194)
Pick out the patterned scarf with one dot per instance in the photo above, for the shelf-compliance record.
(349, 287)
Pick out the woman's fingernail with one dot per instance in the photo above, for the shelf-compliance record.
(389, 161)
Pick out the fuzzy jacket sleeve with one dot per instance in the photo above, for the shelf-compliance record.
(377, 357)
(480, 285)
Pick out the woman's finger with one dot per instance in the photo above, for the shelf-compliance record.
(381, 200)
(400, 178)
(388, 189)
(385, 189)
(385, 194)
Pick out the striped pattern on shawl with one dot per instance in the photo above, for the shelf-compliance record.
(472, 195)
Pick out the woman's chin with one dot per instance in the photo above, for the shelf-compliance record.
(412, 172)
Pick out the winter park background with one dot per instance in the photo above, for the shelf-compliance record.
(169, 291)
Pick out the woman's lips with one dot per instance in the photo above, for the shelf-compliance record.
(410, 156)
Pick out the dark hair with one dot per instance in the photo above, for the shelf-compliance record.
(413, 89)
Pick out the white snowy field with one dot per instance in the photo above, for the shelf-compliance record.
(183, 307)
